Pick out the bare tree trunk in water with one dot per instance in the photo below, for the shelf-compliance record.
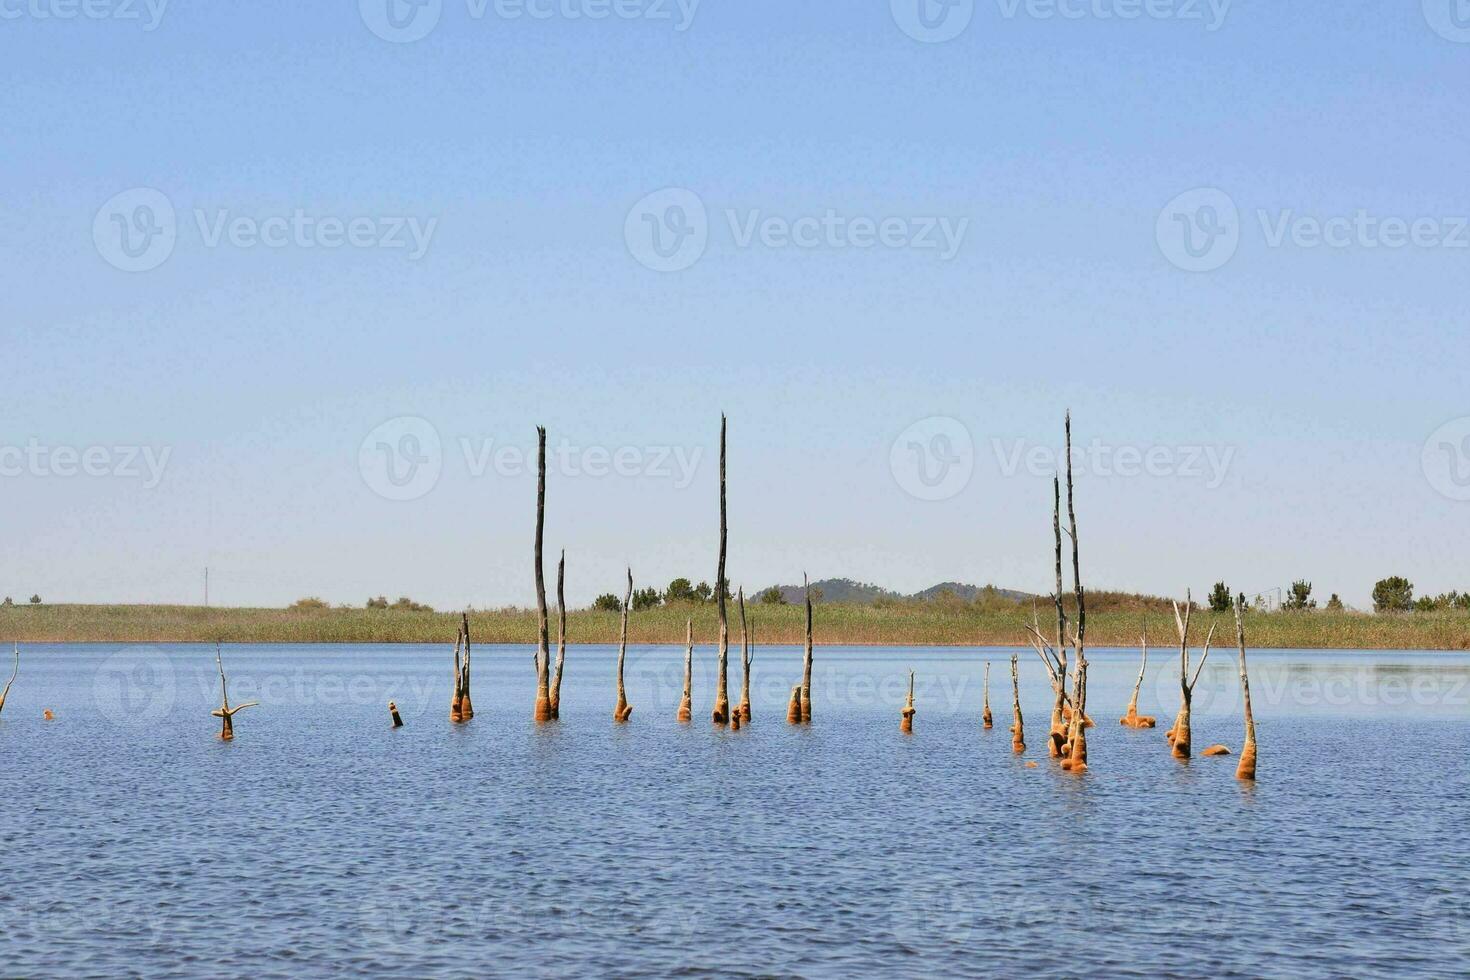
(721, 713)
(466, 706)
(906, 716)
(1076, 760)
(561, 634)
(986, 718)
(1247, 767)
(6, 693)
(1018, 728)
(1057, 734)
(1179, 735)
(686, 704)
(1133, 719)
(543, 710)
(623, 710)
(456, 701)
(806, 668)
(744, 709)
(224, 712)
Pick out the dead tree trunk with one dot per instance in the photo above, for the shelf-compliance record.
(686, 704)
(393, 713)
(806, 667)
(1133, 719)
(622, 711)
(224, 712)
(16, 670)
(561, 634)
(465, 704)
(1018, 728)
(1179, 735)
(793, 708)
(1247, 767)
(543, 710)
(986, 718)
(1076, 760)
(1056, 735)
(456, 701)
(721, 713)
(744, 710)
(906, 716)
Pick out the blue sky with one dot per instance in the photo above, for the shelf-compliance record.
(1330, 376)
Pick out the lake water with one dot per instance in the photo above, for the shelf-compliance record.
(322, 842)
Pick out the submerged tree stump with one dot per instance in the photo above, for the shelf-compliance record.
(721, 713)
(793, 709)
(542, 711)
(1246, 770)
(456, 701)
(224, 712)
(986, 719)
(1132, 719)
(1179, 736)
(686, 703)
(1018, 727)
(806, 666)
(906, 715)
(1217, 750)
(465, 703)
(561, 634)
(393, 713)
(745, 656)
(622, 711)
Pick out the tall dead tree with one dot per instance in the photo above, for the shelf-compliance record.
(561, 634)
(456, 700)
(466, 705)
(543, 710)
(1179, 735)
(1076, 747)
(745, 657)
(721, 713)
(686, 703)
(986, 718)
(1133, 719)
(906, 716)
(16, 670)
(806, 666)
(622, 711)
(1018, 727)
(1247, 767)
(224, 712)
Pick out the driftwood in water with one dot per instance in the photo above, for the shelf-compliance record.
(1018, 728)
(1247, 768)
(721, 713)
(806, 666)
(986, 718)
(47, 715)
(14, 671)
(686, 703)
(745, 656)
(906, 716)
(1179, 735)
(622, 711)
(1217, 750)
(224, 712)
(1133, 719)
(542, 711)
(561, 634)
(393, 713)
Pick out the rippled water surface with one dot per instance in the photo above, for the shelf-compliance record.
(322, 842)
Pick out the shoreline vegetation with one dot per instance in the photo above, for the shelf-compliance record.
(1002, 623)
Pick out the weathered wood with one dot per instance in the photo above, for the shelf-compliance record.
(1076, 760)
(906, 716)
(561, 634)
(986, 719)
(745, 656)
(1179, 736)
(1056, 735)
(686, 703)
(1247, 768)
(542, 711)
(721, 713)
(13, 673)
(224, 712)
(456, 700)
(806, 666)
(467, 705)
(1018, 727)
(793, 708)
(393, 713)
(1132, 718)
(622, 711)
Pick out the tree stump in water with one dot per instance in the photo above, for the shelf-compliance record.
(622, 710)
(686, 703)
(793, 710)
(542, 711)
(1018, 728)
(224, 712)
(906, 716)
(1217, 750)
(1246, 770)
(393, 713)
(986, 719)
(6, 693)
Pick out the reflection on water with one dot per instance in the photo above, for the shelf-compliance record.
(324, 842)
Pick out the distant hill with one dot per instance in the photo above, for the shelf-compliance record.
(846, 590)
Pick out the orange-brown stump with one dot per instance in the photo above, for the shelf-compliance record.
(986, 719)
(793, 709)
(622, 711)
(1247, 768)
(806, 666)
(561, 634)
(906, 716)
(393, 713)
(1076, 759)
(1180, 735)
(224, 712)
(686, 703)
(721, 713)
(744, 710)
(465, 704)
(1217, 750)
(456, 701)
(1018, 727)
(542, 711)
(47, 715)
(1132, 719)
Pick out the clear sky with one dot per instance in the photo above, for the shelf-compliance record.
(893, 260)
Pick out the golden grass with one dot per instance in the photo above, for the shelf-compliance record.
(1115, 622)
